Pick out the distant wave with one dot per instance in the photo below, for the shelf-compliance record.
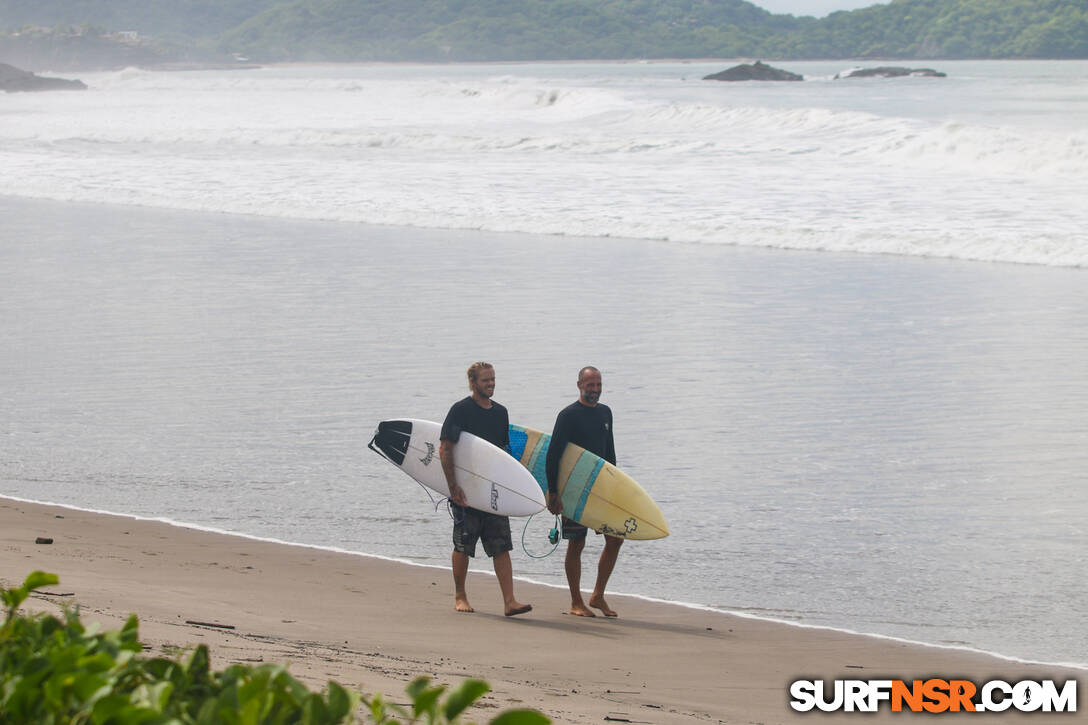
(587, 158)
(1043, 248)
(677, 131)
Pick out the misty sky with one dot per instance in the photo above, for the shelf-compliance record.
(818, 8)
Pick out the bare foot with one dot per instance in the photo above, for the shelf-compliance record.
(581, 610)
(461, 605)
(517, 609)
(601, 604)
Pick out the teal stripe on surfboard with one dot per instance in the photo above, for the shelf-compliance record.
(583, 473)
(595, 493)
(538, 463)
(586, 469)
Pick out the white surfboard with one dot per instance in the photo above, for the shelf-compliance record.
(493, 480)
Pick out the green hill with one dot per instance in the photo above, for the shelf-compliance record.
(491, 30)
(505, 30)
(187, 18)
(947, 29)
(583, 29)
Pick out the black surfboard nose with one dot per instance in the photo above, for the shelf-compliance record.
(391, 440)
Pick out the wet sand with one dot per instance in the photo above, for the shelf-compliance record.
(374, 625)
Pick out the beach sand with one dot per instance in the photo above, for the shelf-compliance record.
(374, 625)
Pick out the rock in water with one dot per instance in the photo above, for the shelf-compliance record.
(758, 71)
(889, 72)
(13, 79)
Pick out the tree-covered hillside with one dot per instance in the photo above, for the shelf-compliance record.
(482, 30)
(947, 29)
(506, 30)
(191, 18)
(552, 29)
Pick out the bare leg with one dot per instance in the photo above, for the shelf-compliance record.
(504, 572)
(574, 578)
(604, 571)
(460, 574)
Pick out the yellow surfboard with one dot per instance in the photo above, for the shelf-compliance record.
(595, 493)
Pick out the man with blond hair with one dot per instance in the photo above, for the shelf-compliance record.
(481, 416)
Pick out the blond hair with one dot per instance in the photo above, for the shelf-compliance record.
(474, 371)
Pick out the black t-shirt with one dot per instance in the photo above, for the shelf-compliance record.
(587, 426)
(492, 424)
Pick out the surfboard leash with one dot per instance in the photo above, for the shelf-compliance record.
(553, 537)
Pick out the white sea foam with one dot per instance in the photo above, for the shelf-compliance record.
(824, 165)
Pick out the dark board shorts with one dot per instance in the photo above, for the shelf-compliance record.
(573, 531)
(471, 525)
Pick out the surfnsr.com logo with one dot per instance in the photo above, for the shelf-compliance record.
(933, 696)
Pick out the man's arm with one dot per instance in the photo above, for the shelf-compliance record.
(451, 432)
(610, 444)
(506, 431)
(445, 454)
(560, 438)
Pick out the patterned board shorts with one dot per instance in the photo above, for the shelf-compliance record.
(471, 525)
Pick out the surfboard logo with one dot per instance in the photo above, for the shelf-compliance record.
(494, 497)
(426, 460)
(630, 526)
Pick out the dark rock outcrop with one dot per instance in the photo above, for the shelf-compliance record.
(890, 72)
(758, 71)
(13, 79)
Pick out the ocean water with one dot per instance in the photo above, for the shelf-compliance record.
(990, 163)
(854, 410)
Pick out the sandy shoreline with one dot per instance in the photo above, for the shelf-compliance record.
(374, 624)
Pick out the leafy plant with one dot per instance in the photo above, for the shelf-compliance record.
(428, 707)
(55, 670)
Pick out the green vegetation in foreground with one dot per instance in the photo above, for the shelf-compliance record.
(519, 30)
(57, 671)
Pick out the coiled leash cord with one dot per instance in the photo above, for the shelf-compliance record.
(553, 537)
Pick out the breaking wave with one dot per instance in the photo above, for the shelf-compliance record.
(597, 156)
